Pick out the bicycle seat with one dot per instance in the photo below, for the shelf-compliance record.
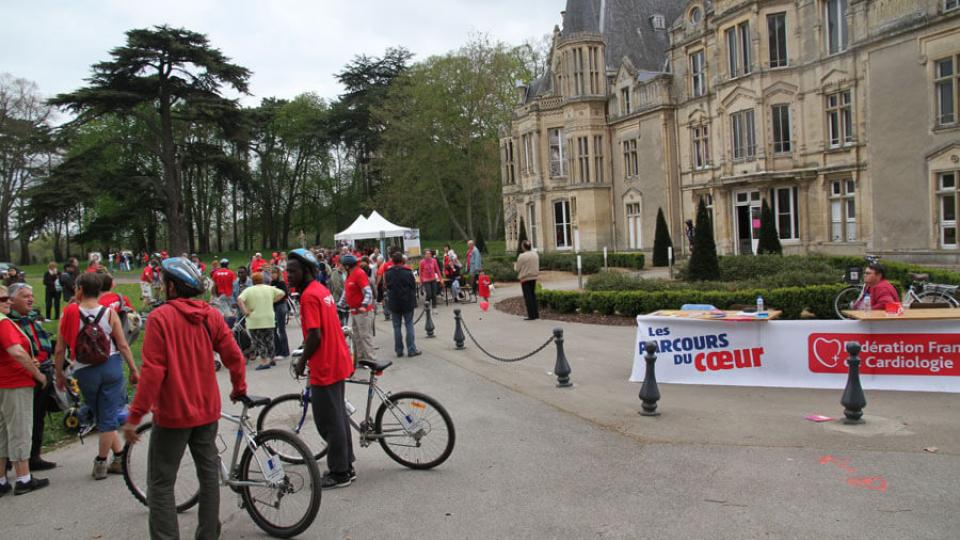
(920, 277)
(374, 365)
(255, 401)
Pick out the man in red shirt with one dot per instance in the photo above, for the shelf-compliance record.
(179, 385)
(880, 290)
(223, 278)
(146, 281)
(325, 352)
(358, 298)
(257, 263)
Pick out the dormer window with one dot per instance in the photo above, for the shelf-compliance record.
(695, 15)
(659, 22)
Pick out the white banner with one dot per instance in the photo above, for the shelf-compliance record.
(411, 242)
(895, 355)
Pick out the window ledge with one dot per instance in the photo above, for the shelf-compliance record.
(946, 128)
(840, 149)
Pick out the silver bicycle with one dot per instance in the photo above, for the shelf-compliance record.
(276, 477)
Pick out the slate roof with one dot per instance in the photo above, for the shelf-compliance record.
(627, 31)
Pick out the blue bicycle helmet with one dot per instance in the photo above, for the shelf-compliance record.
(305, 256)
(183, 271)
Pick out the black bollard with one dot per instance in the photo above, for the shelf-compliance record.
(428, 326)
(562, 368)
(649, 392)
(458, 337)
(853, 400)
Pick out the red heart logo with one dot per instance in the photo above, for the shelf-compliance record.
(873, 483)
(827, 351)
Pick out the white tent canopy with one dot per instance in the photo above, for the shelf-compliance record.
(375, 226)
(357, 227)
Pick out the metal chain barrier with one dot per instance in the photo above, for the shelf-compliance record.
(497, 358)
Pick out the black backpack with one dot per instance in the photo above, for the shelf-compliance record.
(93, 344)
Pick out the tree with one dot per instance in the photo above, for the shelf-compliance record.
(441, 139)
(521, 236)
(367, 80)
(769, 238)
(704, 264)
(661, 241)
(25, 151)
(162, 75)
(481, 243)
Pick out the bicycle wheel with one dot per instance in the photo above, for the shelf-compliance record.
(186, 491)
(288, 507)
(429, 439)
(937, 297)
(288, 412)
(845, 300)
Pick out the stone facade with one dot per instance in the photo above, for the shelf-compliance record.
(841, 114)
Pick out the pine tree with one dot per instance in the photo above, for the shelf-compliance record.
(769, 239)
(704, 264)
(480, 243)
(661, 241)
(522, 237)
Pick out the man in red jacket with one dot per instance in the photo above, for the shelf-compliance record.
(325, 352)
(178, 384)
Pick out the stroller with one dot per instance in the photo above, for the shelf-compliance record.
(236, 321)
(78, 417)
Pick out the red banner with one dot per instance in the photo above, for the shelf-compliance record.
(887, 354)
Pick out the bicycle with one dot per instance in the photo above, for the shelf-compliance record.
(417, 433)
(919, 291)
(274, 468)
(293, 307)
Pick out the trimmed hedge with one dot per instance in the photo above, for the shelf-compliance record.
(817, 299)
(567, 262)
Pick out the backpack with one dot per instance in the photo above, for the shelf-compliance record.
(93, 345)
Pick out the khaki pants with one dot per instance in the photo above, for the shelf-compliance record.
(363, 335)
(16, 423)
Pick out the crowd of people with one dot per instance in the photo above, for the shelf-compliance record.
(331, 288)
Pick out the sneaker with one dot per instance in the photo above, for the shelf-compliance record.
(40, 464)
(399, 354)
(353, 474)
(99, 469)
(415, 353)
(5, 488)
(116, 465)
(32, 485)
(262, 367)
(334, 481)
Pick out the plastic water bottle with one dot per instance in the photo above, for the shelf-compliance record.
(866, 302)
(350, 408)
(760, 310)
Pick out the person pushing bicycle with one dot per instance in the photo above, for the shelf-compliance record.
(325, 352)
(178, 384)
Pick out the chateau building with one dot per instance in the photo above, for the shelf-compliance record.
(841, 114)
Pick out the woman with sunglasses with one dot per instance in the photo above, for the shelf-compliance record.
(19, 373)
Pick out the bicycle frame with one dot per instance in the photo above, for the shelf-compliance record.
(363, 428)
(244, 429)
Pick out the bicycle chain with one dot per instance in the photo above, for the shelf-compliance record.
(497, 358)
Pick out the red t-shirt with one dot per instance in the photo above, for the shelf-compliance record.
(12, 374)
(112, 301)
(223, 278)
(147, 275)
(354, 285)
(384, 267)
(93, 268)
(257, 264)
(331, 363)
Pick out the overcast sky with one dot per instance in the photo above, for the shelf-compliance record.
(291, 46)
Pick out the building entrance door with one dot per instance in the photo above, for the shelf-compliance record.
(747, 218)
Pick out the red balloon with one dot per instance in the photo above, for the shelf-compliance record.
(484, 305)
